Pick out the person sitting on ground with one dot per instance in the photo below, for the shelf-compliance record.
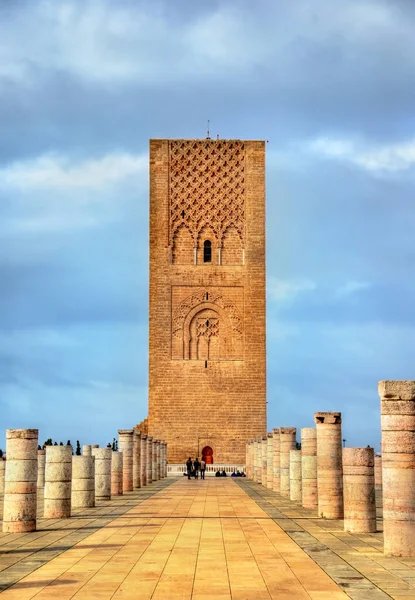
(238, 474)
(243, 474)
(217, 474)
(233, 474)
(223, 474)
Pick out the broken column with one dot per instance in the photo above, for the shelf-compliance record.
(149, 459)
(398, 466)
(154, 462)
(87, 450)
(20, 483)
(378, 473)
(116, 473)
(137, 459)
(264, 461)
(256, 461)
(329, 464)
(309, 467)
(159, 454)
(276, 460)
(125, 445)
(83, 481)
(143, 462)
(287, 443)
(2, 473)
(102, 473)
(41, 460)
(295, 475)
(165, 458)
(270, 464)
(58, 480)
(359, 490)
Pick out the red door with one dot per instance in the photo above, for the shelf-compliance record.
(207, 455)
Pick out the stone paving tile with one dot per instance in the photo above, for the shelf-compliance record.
(355, 562)
(196, 540)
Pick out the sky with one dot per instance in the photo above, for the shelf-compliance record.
(84, 84)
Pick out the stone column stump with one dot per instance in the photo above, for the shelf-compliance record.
(159, 456)
(58, 482)
(264, 460)
(359, 490)
(83, 481)
(102, 473)
(126, 446)
(276, 460)
(116, 473)
(295, 476)
(329, 464)
(154, 462)
(2, 474)
(149, 459)
(41, 461)
(143, 465)
(20, 483)
(270, 462)
(87, 450)
(309, 467)
(287, 443)
(398, 466)
(136, 459)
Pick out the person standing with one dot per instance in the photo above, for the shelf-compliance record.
(189, 467)
(196, 466)
(202, 469)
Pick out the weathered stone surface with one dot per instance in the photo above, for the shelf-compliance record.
(295, 476)
(58, 480)
(264, 443)
(149, 459)
(359, 490)
(87, 450)
(136, 459)
(329, 464)
(143, 465)
(116, 473)
(83, 481)
(102, 473)
(270, 464)
(126, 446)
(228, 372)
(287, 443)
(2, 474)
(20, 482)
(41, 461)
(309, 467)
(398, 466)
(276, 460)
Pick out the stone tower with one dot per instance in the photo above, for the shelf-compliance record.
(207, 365)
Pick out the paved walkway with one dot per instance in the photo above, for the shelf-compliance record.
(202, 540)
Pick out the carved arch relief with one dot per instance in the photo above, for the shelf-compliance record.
(207, 326)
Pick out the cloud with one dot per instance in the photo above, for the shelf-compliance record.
(58, 172)
(351, 287)
(279, 290)
(391, 158)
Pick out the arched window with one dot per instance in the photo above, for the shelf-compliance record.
(207, 251)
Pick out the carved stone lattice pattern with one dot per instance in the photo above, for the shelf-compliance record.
(207, 327)
(207, 187)
(199, 299)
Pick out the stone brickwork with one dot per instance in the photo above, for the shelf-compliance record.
(207, 371)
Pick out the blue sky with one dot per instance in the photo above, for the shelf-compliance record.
(85, 84)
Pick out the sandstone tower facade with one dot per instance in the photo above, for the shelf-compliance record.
(207, 362)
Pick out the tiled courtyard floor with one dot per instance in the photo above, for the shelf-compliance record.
(213, 539)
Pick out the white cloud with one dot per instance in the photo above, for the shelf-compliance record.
(352, 287)
(279, 290)
(57, 172)
(373, 158)
(140, 42)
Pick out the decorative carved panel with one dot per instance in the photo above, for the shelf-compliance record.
(207, 187)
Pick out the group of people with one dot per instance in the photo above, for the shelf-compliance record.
(193, 468)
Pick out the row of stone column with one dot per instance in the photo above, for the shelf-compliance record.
(341, 483)
(68, 481)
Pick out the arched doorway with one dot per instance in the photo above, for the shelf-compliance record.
(207, 455)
